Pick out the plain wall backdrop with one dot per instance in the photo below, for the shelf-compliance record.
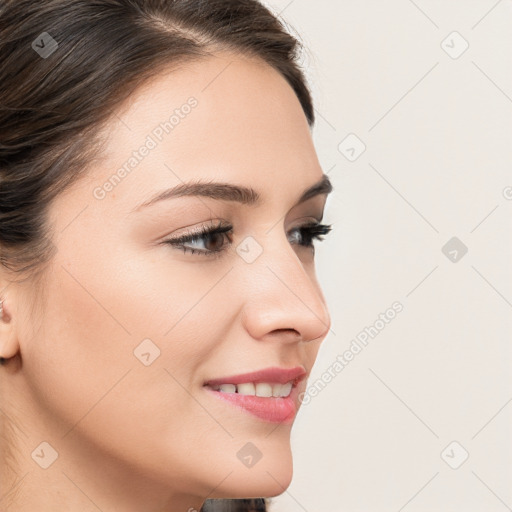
(414, 126)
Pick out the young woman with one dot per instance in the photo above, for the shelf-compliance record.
(160, 197)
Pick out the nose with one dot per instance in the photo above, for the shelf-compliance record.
(282, 296)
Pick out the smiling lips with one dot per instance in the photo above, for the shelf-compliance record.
(269, 394)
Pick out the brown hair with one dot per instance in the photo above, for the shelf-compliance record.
(67, 65)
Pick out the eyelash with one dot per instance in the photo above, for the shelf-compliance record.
(310, 232)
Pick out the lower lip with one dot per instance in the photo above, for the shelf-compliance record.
(271, 409)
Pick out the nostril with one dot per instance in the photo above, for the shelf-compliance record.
(288, 334)
(287, 329)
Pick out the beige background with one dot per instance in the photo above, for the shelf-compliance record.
(437, 126)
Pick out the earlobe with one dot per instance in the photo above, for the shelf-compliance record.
(9, 345)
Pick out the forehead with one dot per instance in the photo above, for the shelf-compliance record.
(226, 117)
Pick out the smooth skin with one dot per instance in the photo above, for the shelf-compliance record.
(131, 437)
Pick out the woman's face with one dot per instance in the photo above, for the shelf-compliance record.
(132, 327)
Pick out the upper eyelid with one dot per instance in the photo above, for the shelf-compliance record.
(205, 229)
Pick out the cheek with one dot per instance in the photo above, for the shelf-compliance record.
(81, 365)
(80, 351)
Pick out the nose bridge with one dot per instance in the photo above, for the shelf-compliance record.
(281, 295)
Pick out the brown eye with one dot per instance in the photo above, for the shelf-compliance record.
(215, 240)
(210, 240)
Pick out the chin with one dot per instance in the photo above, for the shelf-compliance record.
(268, 477)
(259, 486)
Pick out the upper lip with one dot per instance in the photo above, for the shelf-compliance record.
(270, 375)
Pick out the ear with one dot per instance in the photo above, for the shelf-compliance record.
(9, 345)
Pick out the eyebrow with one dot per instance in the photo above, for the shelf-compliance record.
(229, 192)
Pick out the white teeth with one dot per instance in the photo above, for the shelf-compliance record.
(286, 389)
(261, 389)
(227, 388)
(276, 390)
(246, 389)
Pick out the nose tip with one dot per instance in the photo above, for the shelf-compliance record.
(287, 304)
